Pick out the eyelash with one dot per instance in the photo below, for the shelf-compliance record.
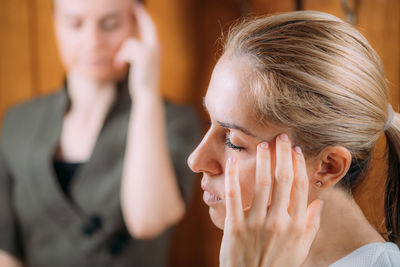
(229, 144)
(75, 24)
(109, 26)
(228, 141)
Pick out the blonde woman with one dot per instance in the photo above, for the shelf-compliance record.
(86, 173)
(297, 102)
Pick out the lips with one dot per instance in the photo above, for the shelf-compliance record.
(209, 197)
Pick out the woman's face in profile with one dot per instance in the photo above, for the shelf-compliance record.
(233, 131)
(89, 34)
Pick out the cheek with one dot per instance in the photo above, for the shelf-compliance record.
(68, 45)
(67, 53)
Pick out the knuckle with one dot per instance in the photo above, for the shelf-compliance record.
(284, 176)
(274, 227)
(231, 193)
(265, 183)
(301, 184)
(256, 225)
(235, 229)
(297, 228)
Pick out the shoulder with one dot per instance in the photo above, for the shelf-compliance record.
(24, 121)
(372, 255)
(35, 106)
(29, 112)
(182, 122)
(180, 112)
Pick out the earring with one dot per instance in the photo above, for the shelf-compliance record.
(319, 183)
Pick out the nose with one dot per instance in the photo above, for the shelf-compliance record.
(93, 36)
(204, 159)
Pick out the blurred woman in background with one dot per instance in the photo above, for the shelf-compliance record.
(297, 102)
(84, 169)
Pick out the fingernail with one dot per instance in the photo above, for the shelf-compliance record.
(264, 145)
(284, 137)
(298, 150)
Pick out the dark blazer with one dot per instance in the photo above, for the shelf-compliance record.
(43, 227)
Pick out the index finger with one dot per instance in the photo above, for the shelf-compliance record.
(283, 175)
(146, 26)
(233, 198)
(263, 183)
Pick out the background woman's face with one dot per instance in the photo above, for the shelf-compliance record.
(89, 34)
(233, 131)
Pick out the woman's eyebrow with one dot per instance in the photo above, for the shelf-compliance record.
(236, 127)
(111, 15)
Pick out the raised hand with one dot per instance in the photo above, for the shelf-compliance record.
(143, 55)
(279, 228)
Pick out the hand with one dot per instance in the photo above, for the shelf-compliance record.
(143, 55)
(278, 235)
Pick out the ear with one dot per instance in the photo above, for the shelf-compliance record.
(330, 166)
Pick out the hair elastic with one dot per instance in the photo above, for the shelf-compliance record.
(389, 119)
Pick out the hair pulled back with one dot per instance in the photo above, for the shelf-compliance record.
(320, 77)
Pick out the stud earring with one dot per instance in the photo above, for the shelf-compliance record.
(319, 183)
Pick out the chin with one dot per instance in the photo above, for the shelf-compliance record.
(217, 218)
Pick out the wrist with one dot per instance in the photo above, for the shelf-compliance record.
(146, 96)
(147, 101)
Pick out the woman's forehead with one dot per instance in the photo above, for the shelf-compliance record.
(228, 99)
(92, 7)
(228, 87)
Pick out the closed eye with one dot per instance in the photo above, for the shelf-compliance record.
(229, 144)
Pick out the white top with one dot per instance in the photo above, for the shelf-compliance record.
(372, 255)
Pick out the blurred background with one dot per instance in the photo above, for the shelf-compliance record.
(189, 31)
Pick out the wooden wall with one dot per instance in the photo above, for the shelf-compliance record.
(189, 30)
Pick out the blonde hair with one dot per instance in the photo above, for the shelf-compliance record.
(320, 77)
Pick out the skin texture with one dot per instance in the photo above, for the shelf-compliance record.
(90, 33)
(211, 155)
(264, 192)
(238, 171)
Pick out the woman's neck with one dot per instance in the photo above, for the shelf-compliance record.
(343, 229)
(83, 121)
(89, 96)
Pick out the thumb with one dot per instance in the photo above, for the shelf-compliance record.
(128, 52)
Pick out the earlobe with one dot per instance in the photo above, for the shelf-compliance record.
(331, 166)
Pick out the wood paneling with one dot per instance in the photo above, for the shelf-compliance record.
(179, 55)
(260, 7)
(50, 73)
(16, 79)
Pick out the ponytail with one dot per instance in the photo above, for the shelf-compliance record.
(392, 191)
